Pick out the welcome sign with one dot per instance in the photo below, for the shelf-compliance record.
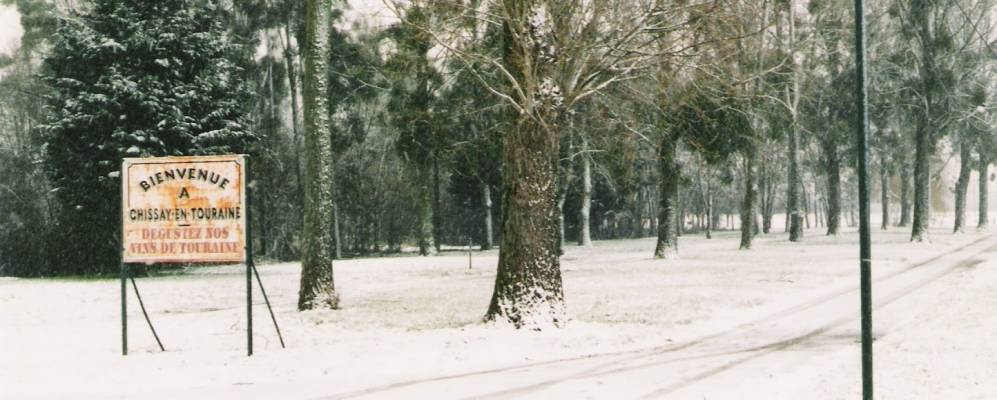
(184, 209)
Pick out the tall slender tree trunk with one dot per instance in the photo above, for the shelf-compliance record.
(667, 246)
(437, 214)
(714, 218)
(884, 185)
(584, 222)
(794, 182)
(425, 213)
(764, 199)
(905, 204)
(793, 188)
(317, 289)
(922, 182)
(819, 208)
(337, 239)
(984, 219)
(748, 202)
(833, 192)
(486, 201)
(528, 288)
(709, 211)
(768, 208)
(680, 206)
(773, 187)
(649, 211)
(292, 84)
(564, 182)
(962, 185)
(560, 220)
(652, 206)
(806, 206)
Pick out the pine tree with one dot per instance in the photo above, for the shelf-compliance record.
(138, 79)
(412, 113)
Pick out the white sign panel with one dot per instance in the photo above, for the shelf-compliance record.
(184, 209)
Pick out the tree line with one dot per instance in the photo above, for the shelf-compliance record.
(526, 124)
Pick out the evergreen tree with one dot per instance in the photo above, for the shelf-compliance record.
(137, 79)
(412, 113)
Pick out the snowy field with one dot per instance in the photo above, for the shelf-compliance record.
(779, 321)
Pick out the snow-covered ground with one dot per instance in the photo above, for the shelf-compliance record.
(778, 321)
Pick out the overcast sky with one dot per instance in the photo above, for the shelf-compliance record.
(10, 28)
(373, 12)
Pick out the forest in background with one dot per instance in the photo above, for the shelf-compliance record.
(607, 119)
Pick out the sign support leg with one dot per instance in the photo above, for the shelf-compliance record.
(267, 300)
(141, 305)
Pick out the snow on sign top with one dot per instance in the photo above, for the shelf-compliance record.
(183, 209)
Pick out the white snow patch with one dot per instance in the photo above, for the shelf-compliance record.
(410, 327)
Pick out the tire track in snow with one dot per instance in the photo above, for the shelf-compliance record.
(785, 344)
(612, 366)
(753, 352)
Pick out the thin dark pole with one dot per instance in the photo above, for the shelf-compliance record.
(249, 259)
(865, 251)
(124, 309)
(267, 300)
(123, 269)
(141, 305)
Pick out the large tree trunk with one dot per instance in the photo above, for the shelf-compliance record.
(667, 246)
(984, 219)
(748, 202)
(905, 206)
(528, 288)
(317, 289)
(922, 182)
(884, 185)
(584, 221)
(486, 201)
(833, 192)
(962, 185)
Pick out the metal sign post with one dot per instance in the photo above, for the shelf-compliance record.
(187, 210)
(124, 311)
(249, 266)
(865, 251)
